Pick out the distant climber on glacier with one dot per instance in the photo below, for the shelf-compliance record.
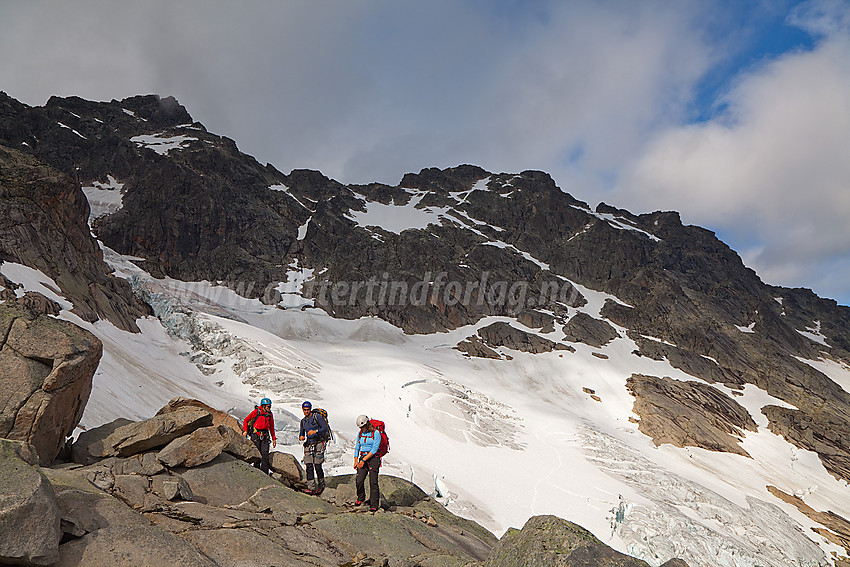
(259, 427)
(315, 433)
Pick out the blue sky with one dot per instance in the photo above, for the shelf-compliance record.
(734, 112)
(757, 33)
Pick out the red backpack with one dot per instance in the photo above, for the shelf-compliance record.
(384, 447)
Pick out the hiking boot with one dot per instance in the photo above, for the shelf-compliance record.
(320, 488)
(358, 502)
(371, 509)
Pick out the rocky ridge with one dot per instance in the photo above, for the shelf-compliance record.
(46, 366)
(176, 489)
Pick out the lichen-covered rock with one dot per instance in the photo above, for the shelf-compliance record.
(219, 417)
(278, 498)
(232, 546)
(29, 516)
(273, 524)
(199, 447)
(551, 541)
(157, 431)
(390, 535)
(288, 466)
(395, 491)
(86, 507)
(47, 366)
(227, 481)
(131, 546)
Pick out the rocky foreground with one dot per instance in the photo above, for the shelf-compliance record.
(180, 489)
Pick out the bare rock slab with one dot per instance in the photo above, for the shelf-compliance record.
(239, 446)
(236, 547)
(157, 431)
(30, 529)
(287, 465)
(689, 414)
(219, 417)
(549, 540)
(80, 450)
(201, 446)
(47, 366)
(131, 546)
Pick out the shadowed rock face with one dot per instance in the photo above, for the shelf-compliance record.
(46, 370)
(689, 414)
(43, 225)
(582, 328)
(503, 334)
(29, 516)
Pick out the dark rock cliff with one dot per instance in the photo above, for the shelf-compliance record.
(43, 225)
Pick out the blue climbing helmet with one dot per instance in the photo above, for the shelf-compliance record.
(265, 402)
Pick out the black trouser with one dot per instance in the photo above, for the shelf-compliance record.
(263, 443)
(371, 468)
(319, 474)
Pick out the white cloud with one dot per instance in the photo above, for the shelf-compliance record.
(773, 168)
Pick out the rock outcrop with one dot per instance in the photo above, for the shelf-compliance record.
(29, 516)
(506, 335)
(551, 541)
(689, 414)
(219, 417)
(155, 432)
(148, 507)
(46, 370)
(44, 225)
(582, 328)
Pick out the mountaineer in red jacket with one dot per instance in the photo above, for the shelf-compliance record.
(259, 427)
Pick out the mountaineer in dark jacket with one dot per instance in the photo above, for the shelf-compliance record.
(314, 433)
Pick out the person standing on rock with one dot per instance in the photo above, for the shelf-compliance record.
(314, 433)
(367, 461)
(259, 427)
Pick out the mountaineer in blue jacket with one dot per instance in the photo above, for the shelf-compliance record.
(315, 434)
(367, 461)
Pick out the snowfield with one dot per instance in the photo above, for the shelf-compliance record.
(497, 441)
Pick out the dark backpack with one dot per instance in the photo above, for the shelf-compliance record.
(384, 447)
(329, 435)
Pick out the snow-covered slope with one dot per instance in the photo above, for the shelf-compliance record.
(497, 440)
